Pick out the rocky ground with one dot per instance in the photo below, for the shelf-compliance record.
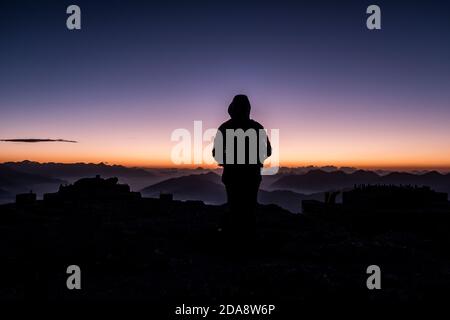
(174, 252)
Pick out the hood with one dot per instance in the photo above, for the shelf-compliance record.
(239, 108)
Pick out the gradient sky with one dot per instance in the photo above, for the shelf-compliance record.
(339, 93)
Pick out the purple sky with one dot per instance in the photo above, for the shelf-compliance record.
(339, 93)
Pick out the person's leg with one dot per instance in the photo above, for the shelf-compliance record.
(242, 193)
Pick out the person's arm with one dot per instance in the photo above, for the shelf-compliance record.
(218, 151)
(266, 144)
(269, 147)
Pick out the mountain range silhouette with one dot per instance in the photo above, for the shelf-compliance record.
(319, 180)
(286, 189)
(208, 188)
(77, 170)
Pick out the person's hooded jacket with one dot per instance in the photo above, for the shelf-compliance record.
(239, 111)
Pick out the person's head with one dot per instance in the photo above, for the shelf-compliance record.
(239, 108)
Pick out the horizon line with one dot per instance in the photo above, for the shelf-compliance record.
(214, 167)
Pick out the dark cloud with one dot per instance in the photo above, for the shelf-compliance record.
(38, 140)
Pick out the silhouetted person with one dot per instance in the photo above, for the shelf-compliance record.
(241, 146)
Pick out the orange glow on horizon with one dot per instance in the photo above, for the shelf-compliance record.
(296, 150)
